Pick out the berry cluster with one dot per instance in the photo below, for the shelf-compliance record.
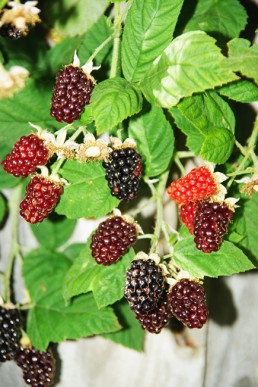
(72, 92)
(10, 333)
(204, 217)
(123, 173)
(112, 239)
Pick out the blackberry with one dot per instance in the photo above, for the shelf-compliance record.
(157, 319)
(112, 239)
(144, 286)
(27, 153)
(210, 225)
(10, 31)
(123, 173)
(72, 92)
(188, 303)
(42, 195)
(38, 367)
(10, 334)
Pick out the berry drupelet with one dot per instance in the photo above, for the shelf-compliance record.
(188, 303)
(144, 286)
(10, 333)
(27, 154)
(187, 214)
(72, 92)
(112, 239)
(123, 173)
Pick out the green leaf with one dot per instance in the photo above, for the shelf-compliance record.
(49, 319)
(191, 63)
(3, 208)
(240, 91)
(131, 335)
(155, 139)
(73, 251)
(247, 226)
(62, 53)
(106, 282)
(6, 180)
(209, 124)
(88, 194)
(53, 231)
(93, 38)
(218, 17)
(148, 30)
(73, 17)
(113, 100)
(227, 261)
(29, 105)
(243, 58)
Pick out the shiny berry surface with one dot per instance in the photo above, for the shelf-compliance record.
(187, 213)
(10, 333)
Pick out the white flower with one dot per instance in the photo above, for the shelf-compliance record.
(12, 80)
(93, 149)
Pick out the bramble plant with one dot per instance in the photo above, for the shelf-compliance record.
(167, 77)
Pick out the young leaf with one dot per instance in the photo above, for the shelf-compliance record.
(243, 58)
(49, 319)
(191, 63)
(148, 30)
(131, 335)
(106, 282)
(209, 124)
(155, 139)
(112, 101)
(87, 194)
(220, 17)
(240, 91)
(227, 261)
(53, 231)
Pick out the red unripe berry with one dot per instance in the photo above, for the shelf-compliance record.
(187, 213)
(196, 185)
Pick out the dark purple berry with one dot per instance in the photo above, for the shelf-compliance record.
(210, 225)
(144, 286)
(72, 92)
(188, 303)
(10, 333)
(123, 173)
(12, 32)
(112, 239)
(38, 367)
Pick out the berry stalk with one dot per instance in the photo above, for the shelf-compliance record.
(115, 54)
(14, 249)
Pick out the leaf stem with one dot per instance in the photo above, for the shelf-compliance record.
(184, 154)
(117, 33)
(14, 249)
(100, 47)
(179, 164)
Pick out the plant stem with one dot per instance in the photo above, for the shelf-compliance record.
(100, 47)
(179, 164)
(139, 209)
(14, 249)
(115, 54)
(185, 154)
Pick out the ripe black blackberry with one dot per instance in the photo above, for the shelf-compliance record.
(10, 333)
(188, 303)
(27, 154)
(38, 367)
(123, 173)
(72, 92)
(10, 31)
(112, 239)
(144, 286)
(158, 318)
(210, 225)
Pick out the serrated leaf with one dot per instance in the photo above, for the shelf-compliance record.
(93, 38)
(53, 231)
(2, 208)
(246, 226)
(240, 91)
(148, 30)
(218, 17)
(243, 58)
(29, 105)
(192, 63)
(49, 319)
(155, 139)
(113, 100)
(87, 194)
(227, 261)
(131, 335)
(106, 282)
(73, 17)
(209, 125)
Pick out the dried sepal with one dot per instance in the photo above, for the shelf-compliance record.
(93, 149)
